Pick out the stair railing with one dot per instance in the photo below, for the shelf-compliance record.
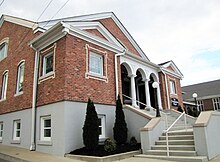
(168, 129)
(165, 114)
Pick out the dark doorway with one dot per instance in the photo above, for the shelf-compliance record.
(126, 84)
(153, 93)
(140, 90)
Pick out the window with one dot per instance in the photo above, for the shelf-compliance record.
(4, 85)
(20, 78)
(101, 119)
(45, 128)
(17, 130)
(172, 87)
(3, 50)
(96, 63)
(48, 63)
(216, 104)
(200, 105)
(1, 130)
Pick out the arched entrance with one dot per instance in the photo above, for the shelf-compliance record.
(153, 92)
(140, 89)
(126, 84)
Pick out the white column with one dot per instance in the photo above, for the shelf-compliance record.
(133, 90)
(147, 92)
(159, 98)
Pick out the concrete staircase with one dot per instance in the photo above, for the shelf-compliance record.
(181, 143)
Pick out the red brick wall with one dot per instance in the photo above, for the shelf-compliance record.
(208, 104)
(178, 94)
(96, 32)
(113, 28)
(79, 88)
(16, 53)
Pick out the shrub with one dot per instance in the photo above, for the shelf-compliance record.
(133, 141)
(109, 145)
(120, 127)
(180, 109)
(91, 127)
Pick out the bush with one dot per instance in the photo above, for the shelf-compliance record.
(91, 127)
(133, 141)
(180, 109)
(109, 145)
(120, 127)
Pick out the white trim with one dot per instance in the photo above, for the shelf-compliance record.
(102, 126)
(172, 87)
(44, 64)
(43, 128)
(1, 130)
(16, 129)
(21, 63)
(18, 21)
(216, 103)
(4, 42)
(4, 85)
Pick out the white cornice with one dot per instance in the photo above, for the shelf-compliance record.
(98, 26)
(18, 21)
(169, 72)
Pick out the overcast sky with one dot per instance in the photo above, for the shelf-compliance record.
(185, 31)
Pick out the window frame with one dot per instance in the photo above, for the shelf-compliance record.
(43, 128)
(16, 129)
(93, 56)
(102, 126)
(4, 85)
(172, 87)
(45, 57)
(22, 64)
(1, 130)
(200, 105)
(4, 44)
(216, 103)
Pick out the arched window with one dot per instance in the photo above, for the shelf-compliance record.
(20, 78)
(3, 48)
(4, 85)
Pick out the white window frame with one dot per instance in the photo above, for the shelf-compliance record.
(200, 105)
(19, 78)
(99, 63)
(216, 103)
(102, 126)
(43, 128)
(172, 87)
(1, 130)
(4, 85)
(3, 49)
(45, 63)
(16, 129)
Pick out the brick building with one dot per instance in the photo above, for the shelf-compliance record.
(208, 95)
(50, 69)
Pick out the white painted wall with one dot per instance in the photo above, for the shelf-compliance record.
(206, 134)
(7, 119)
(134, 123)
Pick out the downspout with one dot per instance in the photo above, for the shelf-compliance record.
(168, 98)
(116, 72)
(34, 101)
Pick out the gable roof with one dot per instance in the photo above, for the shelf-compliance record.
(98, 16)
(204, 90)
(175, 70)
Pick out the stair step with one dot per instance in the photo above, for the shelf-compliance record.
(174, 147)
(172, 152)
(175, 142)
(177, 137)
(176, 158)
(173, 133)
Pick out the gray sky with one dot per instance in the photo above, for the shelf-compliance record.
(185, 31)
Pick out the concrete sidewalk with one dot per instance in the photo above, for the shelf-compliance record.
(16, 154)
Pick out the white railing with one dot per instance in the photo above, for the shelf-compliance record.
(165, 114)
(168, 129)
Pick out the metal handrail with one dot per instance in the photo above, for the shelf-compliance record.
(141, 103)
(167, 130)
